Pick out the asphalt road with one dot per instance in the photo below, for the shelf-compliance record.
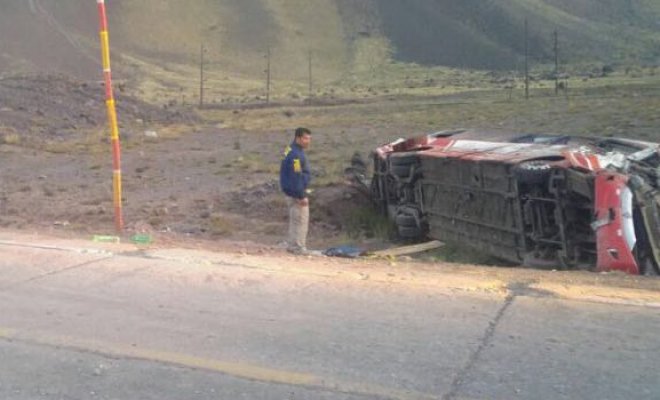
(88, 323)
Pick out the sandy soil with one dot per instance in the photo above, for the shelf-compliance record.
(187, 181)
(192, 186)
(197, 181)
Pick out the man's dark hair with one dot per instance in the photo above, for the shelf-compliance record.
(300, 132)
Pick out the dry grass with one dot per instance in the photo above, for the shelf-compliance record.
(97, 141)
(11, 139)
(614, 107)
(255, 163)
(461, 255)
(367, 223)
(220, 225)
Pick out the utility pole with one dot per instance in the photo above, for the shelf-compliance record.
(201, 76)
(526, 62)
(268, 76)
(556, 48)
(310, 75)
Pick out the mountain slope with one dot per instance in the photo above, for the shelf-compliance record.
(490, 34)
(40, 35)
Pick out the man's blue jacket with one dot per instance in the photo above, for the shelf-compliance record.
(294, 172)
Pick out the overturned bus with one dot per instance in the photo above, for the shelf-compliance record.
(537, 200)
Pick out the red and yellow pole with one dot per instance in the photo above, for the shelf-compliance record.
(112, 116)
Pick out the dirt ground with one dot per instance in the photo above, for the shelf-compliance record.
(194, 181)
(172, 187)
(210, 178)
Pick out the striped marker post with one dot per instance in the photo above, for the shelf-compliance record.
(112, 115)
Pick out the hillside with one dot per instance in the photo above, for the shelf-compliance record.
(489, 34)
(344, 35)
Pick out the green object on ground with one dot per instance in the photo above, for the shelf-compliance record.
(105, 239)
(141, 239)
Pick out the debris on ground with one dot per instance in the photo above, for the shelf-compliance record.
(410, 249)
(344, 252)
(105, 239)
(141, 238)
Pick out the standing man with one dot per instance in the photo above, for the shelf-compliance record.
(294, 180)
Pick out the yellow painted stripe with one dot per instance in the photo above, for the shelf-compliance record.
(105, 49)
(112, 119)
(116, 185)
(112, 113)
(114, 132)
(235, 369)
(246, 371)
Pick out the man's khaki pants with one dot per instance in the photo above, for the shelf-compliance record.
(298, 225)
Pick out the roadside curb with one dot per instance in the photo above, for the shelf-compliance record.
(372, 271)
(488, 281)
